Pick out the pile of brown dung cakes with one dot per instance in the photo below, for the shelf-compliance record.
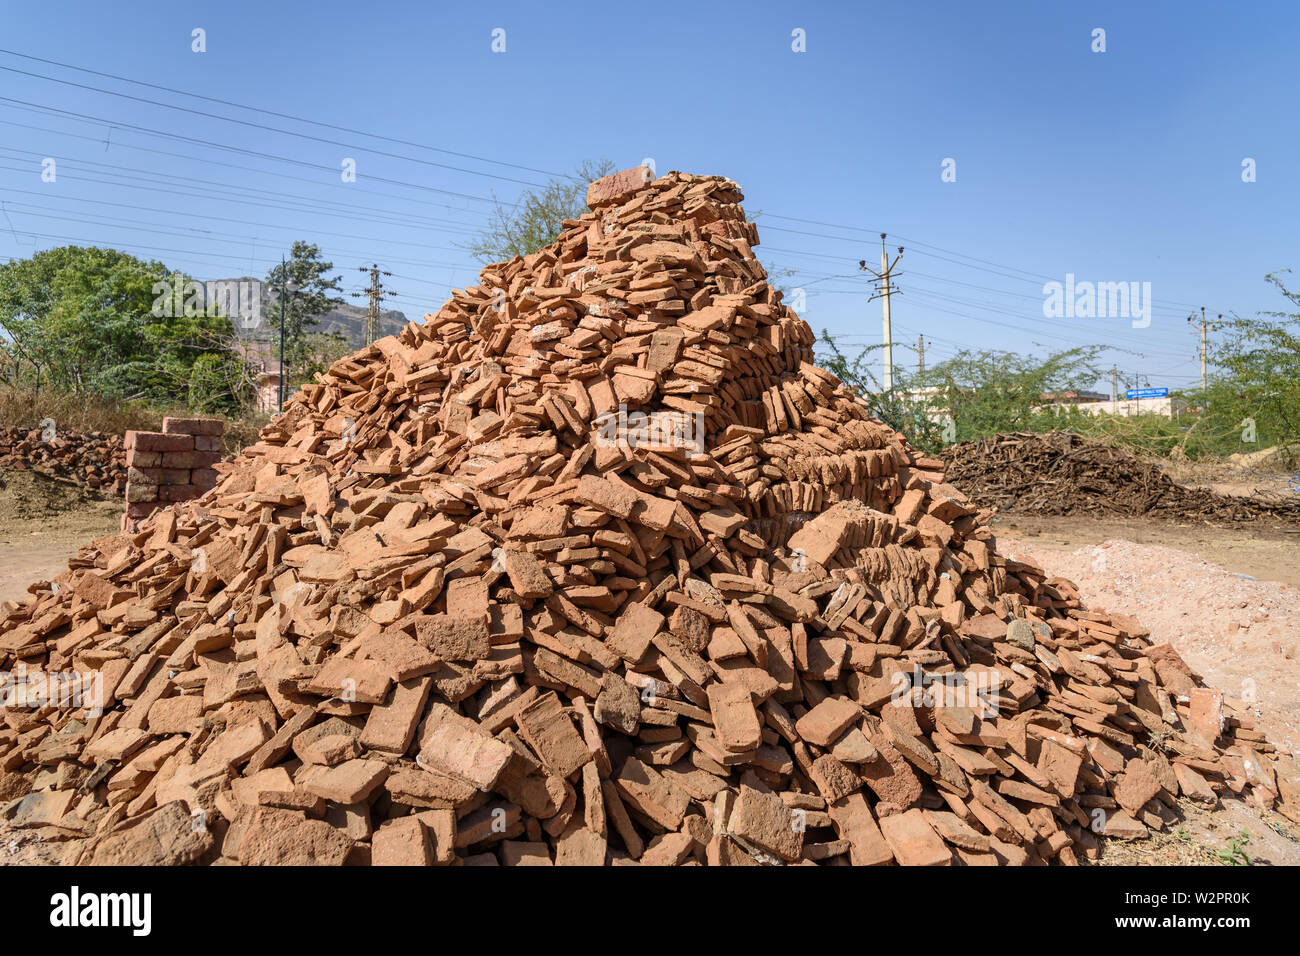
(594, 566)
(1060, 473)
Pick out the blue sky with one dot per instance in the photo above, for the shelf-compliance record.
(1122, 166)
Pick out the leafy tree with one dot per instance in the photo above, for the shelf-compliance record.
(91, 320)
(70, 314)
(1256, 382)
(1252, 400)
(534, 220)
(971, 395)
(987, 391)
(895, 407)
(313, 298)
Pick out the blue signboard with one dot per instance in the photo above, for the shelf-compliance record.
(1147, 393)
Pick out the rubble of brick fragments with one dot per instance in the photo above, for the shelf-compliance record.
(93, 459)
(595, 566)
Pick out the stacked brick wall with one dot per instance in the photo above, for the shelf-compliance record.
(172, 465)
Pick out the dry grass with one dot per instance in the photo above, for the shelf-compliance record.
(25, 408)
(1233, 834)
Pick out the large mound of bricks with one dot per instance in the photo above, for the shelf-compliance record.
(172, 465)
(447, 610)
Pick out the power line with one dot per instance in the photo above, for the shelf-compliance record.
(150, 131)
(299, 119)
(1204, 327)
(929, 294)
(919, 348)
(417, 186)
(264, 127)
(226, 219)
(961, 301)
(214, 162)
(941, 296)
(207, 144)
(270, 129)
(884, 292)
(1027, 275)
(152, 188)
(266, 225)
(160, 229)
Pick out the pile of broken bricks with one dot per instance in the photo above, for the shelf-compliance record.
(94, 459)
(447, 613)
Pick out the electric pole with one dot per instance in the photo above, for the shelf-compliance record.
(375, 293)
(290, 285)
(1114, 383)
(919, 348)
(1203, 328)
(883, 292)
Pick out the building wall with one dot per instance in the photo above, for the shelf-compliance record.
(1129, 407)
(267, 395)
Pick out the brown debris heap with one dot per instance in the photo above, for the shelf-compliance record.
(462, 603)
(1060, 473)
(92, 459)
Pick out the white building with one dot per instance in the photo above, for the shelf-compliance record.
(1165, 405)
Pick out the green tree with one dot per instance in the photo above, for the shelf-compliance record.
(314, 298)
(988, 391)
(973, 394)
(321, 350)
(87, 320)
(896, 407)
(71, 314)
(1255, 389)
(534, 220)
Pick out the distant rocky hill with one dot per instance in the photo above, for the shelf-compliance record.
(350, 321)
(238, 295)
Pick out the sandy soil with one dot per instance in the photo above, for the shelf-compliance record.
(1229, 600)
(1267, 480)
(42, 523)
(1240, 631)
(1263, 551)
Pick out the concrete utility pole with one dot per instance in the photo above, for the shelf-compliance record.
(375, 293)
(290, 285)
(1114, 383)
(1203, 328)
(885, 290)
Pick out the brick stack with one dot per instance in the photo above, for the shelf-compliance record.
(172, 465)
(444, 613)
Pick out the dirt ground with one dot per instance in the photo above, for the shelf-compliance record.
(1227, 478)
(42, 523)
(1229, 601)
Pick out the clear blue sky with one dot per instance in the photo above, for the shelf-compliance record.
(1115, 166)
